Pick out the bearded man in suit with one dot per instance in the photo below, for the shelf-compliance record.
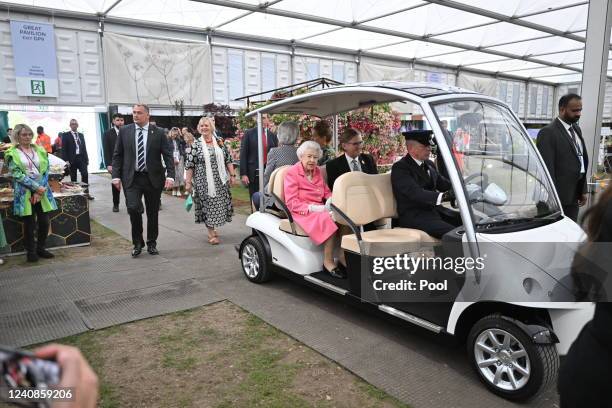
(562, 147)
(108, 146)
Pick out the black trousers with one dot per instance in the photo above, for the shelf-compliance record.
(432, 223)
(80, 165)
(116, 196)
(141, 186)
(30, 222)
(571, 211)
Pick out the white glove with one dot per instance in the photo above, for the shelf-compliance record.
(316, 208)
(328, 204)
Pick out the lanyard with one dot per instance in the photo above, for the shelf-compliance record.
(30, 160)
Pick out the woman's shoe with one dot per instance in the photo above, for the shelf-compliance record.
(335, 273)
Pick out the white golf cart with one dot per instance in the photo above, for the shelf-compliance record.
(517, 315)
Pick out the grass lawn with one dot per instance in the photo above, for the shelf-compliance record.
(217, 356)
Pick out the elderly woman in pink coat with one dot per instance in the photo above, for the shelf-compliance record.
(305, 196)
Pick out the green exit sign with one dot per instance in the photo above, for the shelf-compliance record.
(38, 87)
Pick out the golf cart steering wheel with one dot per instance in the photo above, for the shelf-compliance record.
(484, 176)
(483, 185)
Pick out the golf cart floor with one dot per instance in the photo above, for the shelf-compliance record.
(326, 277)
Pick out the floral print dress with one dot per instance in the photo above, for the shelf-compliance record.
(212, 211)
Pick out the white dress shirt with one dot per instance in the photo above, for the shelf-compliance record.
(577, 143)
(145, 133)
(349, 159)
(77, 142)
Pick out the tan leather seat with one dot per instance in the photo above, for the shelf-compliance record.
(277, 187)
(285, 225)
(365, 198)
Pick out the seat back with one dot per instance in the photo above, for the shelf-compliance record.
(364, 198)
(276, 183)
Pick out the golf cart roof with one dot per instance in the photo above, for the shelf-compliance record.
(345, 98)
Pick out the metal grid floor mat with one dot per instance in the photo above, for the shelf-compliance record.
(109, 310)
(42, 324)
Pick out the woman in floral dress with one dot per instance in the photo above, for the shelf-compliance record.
(209, 174)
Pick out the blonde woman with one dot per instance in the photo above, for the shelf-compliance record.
(187, 136)
(210, 173)
(178, 155)
(28, 165)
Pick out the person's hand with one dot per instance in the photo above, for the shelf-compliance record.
(109, 169)
(232, 179)
(34, 198)
(176, 162)
(448, 196)
(76, 374)
(245, 180)
(168, 184)
(582, 200)
(188, 186)
(117, 184)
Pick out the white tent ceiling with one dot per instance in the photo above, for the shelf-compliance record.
(539, 39)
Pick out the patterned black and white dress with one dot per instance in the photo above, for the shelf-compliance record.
(212, 211)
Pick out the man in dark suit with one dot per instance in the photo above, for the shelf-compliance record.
(108, 146)
(352, 159)
(137, 165)
(562, 147)
(74, 151)
(418, 188)
(249, 162)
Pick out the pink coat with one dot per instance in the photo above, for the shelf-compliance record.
(299, 193)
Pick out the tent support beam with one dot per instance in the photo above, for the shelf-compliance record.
(340, 23)
(509, 19)
(105, 12)
(599, 23)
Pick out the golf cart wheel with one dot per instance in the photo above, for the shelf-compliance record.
(508, 362)
(255, 265)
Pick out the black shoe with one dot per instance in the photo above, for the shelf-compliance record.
(137, 250)
(151, 249)
(336, 273)
(90, 197)
(115, 208)
(32, 257)
(43, 253)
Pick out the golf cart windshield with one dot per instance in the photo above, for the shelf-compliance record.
(505, 180)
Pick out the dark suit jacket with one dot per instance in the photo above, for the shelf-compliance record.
(124, 156)
(338, 166)
(248, 152)
(108, 145)
(69, 147)
(416, 200)
(559, 154)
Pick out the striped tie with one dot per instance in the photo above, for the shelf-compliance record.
(141, 151)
